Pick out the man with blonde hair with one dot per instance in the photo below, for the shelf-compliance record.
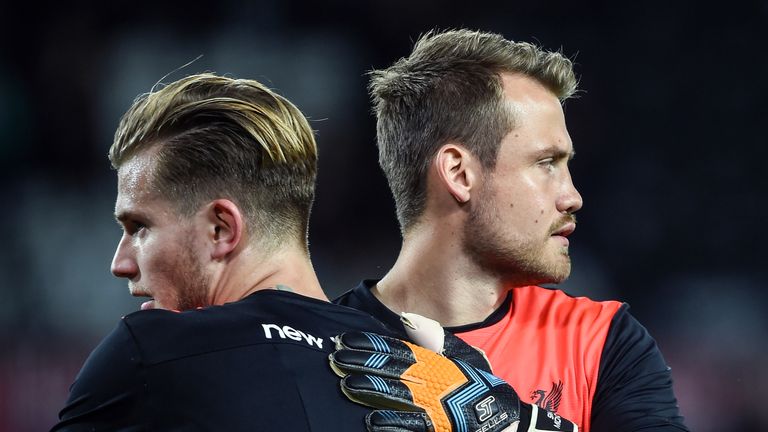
(215, 184)
(473, 142)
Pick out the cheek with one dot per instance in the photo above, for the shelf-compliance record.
(520, 203)
(155, 258)
(536, 202)
(522, 211)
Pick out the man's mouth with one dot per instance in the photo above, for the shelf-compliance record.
(565, 230)
(141, 293)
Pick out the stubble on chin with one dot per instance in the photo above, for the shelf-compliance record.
(518, 262)
(561, 271)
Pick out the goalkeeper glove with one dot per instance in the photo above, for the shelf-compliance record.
(418, 390)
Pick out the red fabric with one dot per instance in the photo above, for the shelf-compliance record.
(548, 348)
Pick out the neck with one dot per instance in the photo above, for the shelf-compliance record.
(249, 271)
(434, 277)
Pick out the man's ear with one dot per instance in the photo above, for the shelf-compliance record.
(456, 169)
(227, 227)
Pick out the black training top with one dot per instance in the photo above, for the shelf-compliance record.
(258, 364)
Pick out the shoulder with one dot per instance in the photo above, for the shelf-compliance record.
(362, 299)
(115, 358)
(628, 346)
(109, 385)
(164, 335)
(358, 297)
(559, 308)
(634, 389)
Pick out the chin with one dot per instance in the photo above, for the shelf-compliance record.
(557, 270)
(560, 278)
(561, 274)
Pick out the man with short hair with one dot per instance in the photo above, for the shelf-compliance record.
(215, 183)
(473, 142)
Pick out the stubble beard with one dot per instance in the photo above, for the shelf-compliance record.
(192, 287)
(517, 261)
(186, 280)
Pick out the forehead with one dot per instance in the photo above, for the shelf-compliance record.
(520, 89)
(538, 118)
(135, 171)
(134, 185)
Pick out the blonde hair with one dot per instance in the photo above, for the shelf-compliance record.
(219, 137)
(449, 88)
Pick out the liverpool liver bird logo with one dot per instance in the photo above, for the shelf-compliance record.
(549, 401)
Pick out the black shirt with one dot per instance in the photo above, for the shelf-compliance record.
(258, 364)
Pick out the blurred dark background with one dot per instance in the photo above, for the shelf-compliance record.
(670, 132)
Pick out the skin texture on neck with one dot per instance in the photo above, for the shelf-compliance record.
(247, 271)
(431, 277)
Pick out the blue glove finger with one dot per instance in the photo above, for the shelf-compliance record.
(371, 342)
(379, 392)
(346, 361)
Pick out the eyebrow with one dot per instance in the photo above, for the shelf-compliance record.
(556, 153)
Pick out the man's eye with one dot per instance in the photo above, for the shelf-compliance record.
(134, 227)
(548, 163)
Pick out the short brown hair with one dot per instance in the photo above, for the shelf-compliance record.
(219, 137)
(450, 88)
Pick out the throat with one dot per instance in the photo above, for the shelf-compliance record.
(450, 307)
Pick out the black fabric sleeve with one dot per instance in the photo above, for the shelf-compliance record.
(634, 385)
(108, 391)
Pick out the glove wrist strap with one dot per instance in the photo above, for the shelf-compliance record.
(545, 421)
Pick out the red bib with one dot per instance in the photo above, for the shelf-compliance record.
(548, 347)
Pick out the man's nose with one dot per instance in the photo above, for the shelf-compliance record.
(124, 262)
(570, 200)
